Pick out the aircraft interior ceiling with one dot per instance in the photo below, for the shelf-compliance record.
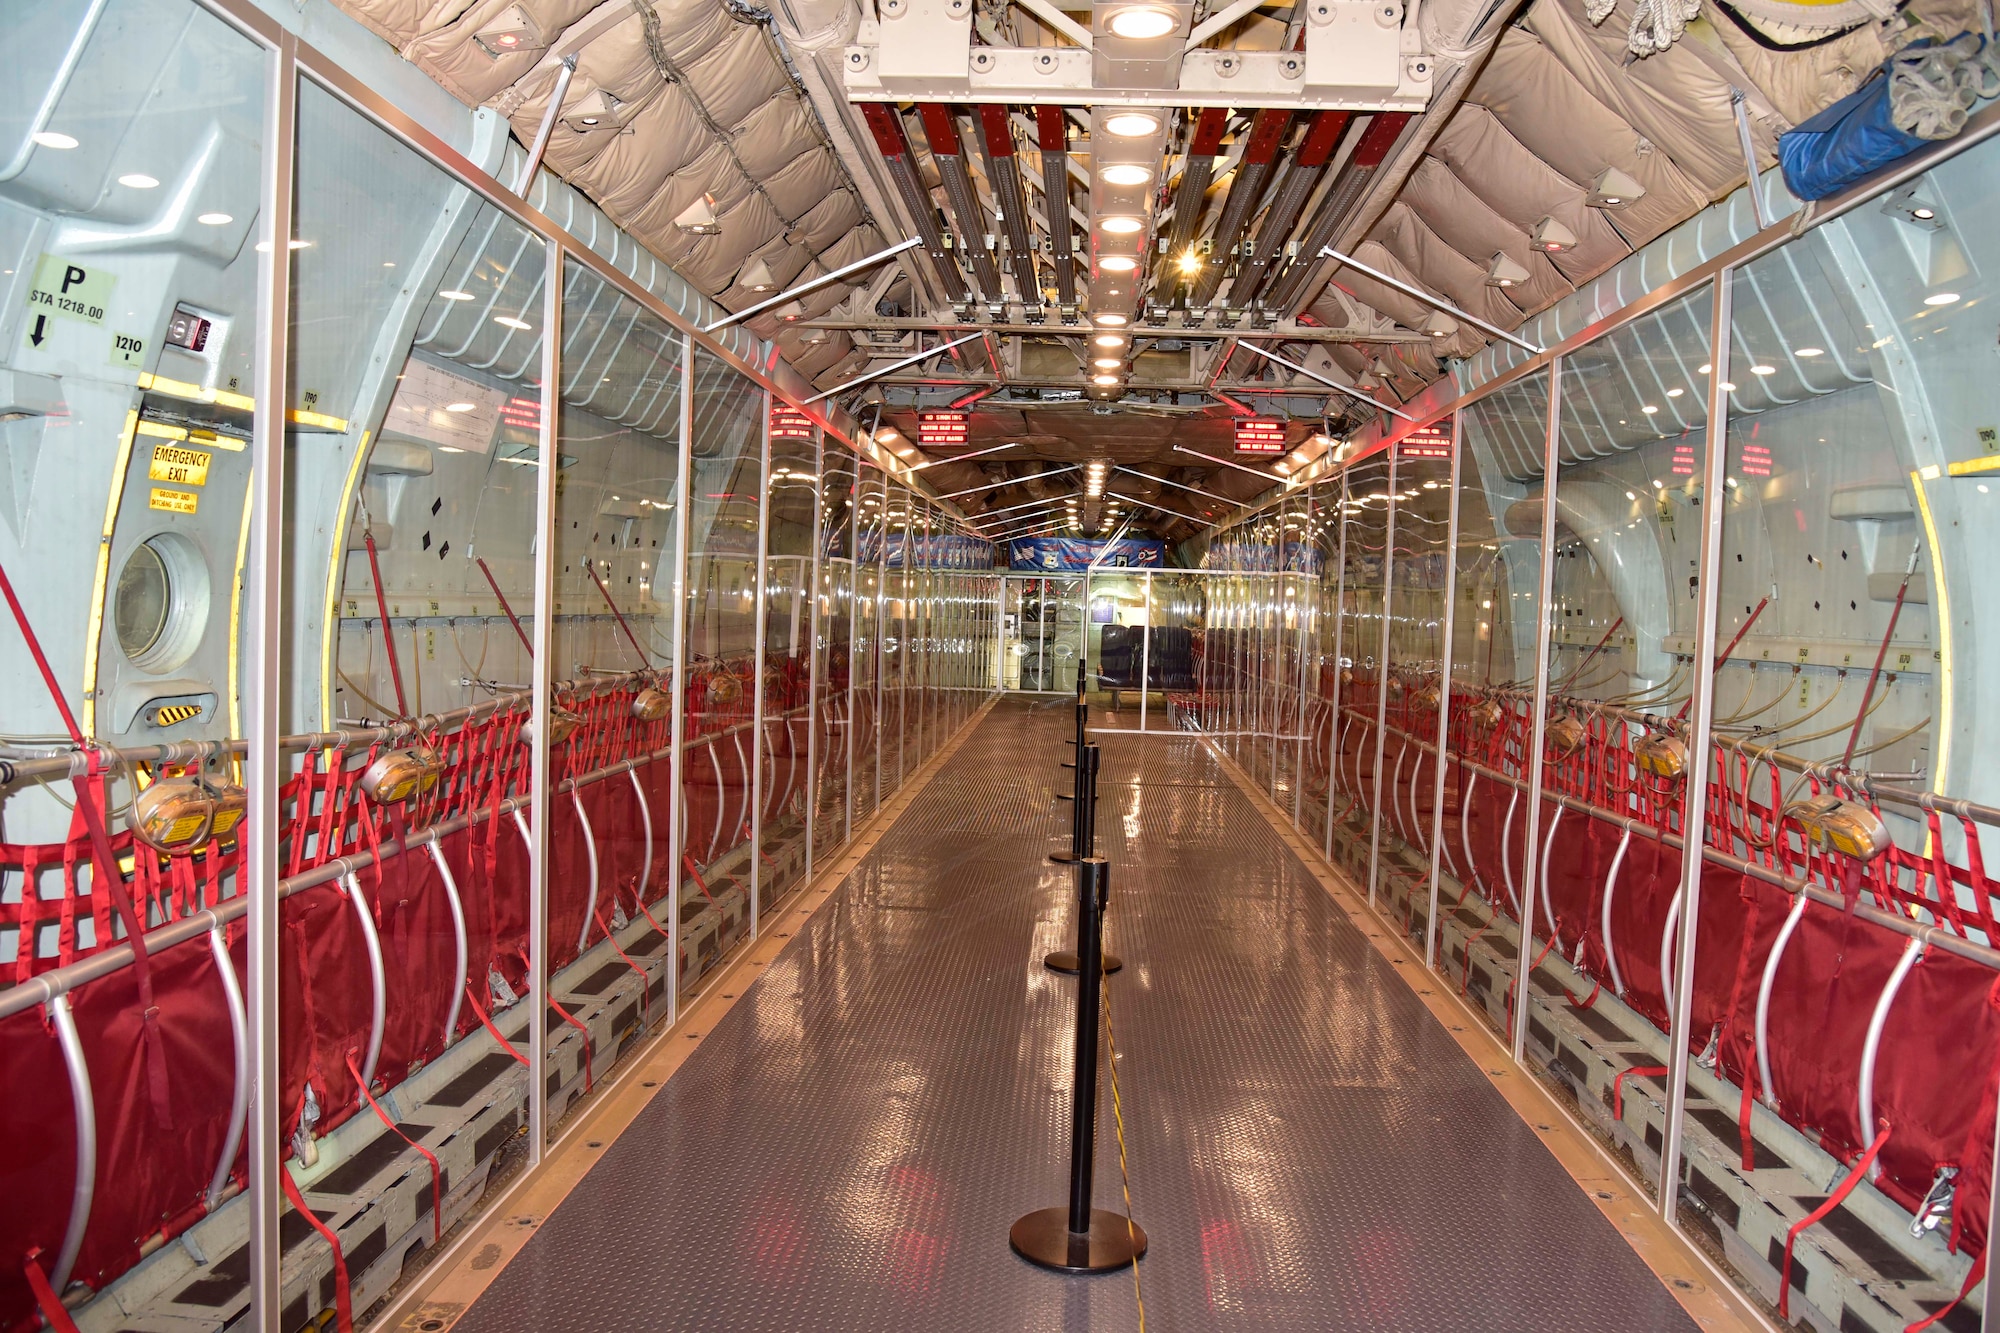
(720, 104)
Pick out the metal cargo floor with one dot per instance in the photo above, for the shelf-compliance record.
(1309, 1148)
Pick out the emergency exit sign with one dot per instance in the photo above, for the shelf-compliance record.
(1260, 435)
(946, 428)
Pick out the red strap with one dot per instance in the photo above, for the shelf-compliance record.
(1833, 1200)
(388, 633)
(1590, 999)
(570, 1019)
(343, 1308)
(437, 1175)
(1972, 1276)
(505, 1045)
(645, 1000)
(494, 584)
(1618, 1086)
(687, 859)
(55, 1312)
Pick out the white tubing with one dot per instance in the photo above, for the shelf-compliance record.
(1548, 846)
(590, 850)
(645, 822)
(1507, 849)
(1465, 831)
(1604, 920)
(1416, 818)
(1667, 953)
(85, 1109)
(377, 984)
(1872, 1047)
(458, 935)
(715, 838)
(1396, 777)
(1764, 994)
(750, 782)
(239, 1035)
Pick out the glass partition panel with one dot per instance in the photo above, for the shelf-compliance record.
(1496, 590)
(869, 521)
(835, 651)
(1323, 679)
(617, 509)
(1623, 558)
(791, 521)
(1417, 564)
(895, 621)
(1358, 627)
(720, 762)
(1855, 509)
(129, 483)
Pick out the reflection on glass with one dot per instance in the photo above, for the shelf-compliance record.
(792, 510)
(834, 648)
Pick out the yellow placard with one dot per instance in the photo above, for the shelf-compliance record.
(184, 467)
(173, 502)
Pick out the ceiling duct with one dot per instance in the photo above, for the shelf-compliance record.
(1204, 145)
(886, 123)
(1283, 215)
(968, 220)
(1003, 173)
(1293, 289)
(1051, 136)
(1267, 132)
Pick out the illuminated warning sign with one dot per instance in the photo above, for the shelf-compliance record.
(941, 428)
(788, 423)
(1260, 435)
(1428, 442)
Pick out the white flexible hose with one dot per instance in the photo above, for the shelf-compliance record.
(458, 935)
(239, 1037)
(1764, 994)
(378, 984)
(1870, 1049)
(1604, 919)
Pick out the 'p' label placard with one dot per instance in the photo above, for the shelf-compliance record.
(70, 290)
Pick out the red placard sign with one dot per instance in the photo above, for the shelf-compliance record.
(1260, 435)
(1430, 442)
(940, 428)
(788, 423)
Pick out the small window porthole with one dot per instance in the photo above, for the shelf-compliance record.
(160, 608)
(145, 593)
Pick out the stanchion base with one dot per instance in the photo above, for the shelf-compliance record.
(1064, 858)
(1065, 962)
(1043, 1237)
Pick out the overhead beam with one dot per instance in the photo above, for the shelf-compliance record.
(1306, 334)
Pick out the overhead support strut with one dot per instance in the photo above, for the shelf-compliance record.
(968, 220)
(1283, 215)
(1052, 137)
(1295, 288)
(886, 123)
(1267, 132)
(1003, 173)
(1196, 176)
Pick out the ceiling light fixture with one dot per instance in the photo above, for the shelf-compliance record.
(1106, 380)
(1613, 189)
(1125, 173)
(1504, 271)
(1142, 23)
(1107, 363)
(454, 296)
(1120, 225)
(1941, 298)
(51, 139)
(1552, 237)
(215, 219)
(1763, 370)
(1109, 340)
(1810, 352)
(1132, 124)
(698, 218)
(139, 180)
(1109, 318)
(1117, 264)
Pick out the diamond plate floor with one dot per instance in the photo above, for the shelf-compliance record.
(847, 1148)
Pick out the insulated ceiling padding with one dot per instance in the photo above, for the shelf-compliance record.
(1471, 226)
(448, 52)
(1673, 98)
(1441, 269)
(1524, 189)
(1404, 310)
(1555, 117)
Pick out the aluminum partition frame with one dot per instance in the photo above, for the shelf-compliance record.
(262, 626)
(1531, 837)
(760, 609)
(1339, 663)
(1145, 650)
(1382, 676)
(542, 695)
(677, 729)
(1694, 806)
(1444, 687)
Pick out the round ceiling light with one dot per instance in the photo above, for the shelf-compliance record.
(1125, 173)
(1118, 263)
(1121, 225)
(1110, 319)
(1132, 124)
(1106, 380)
(1142, 23)
(1107, 363)
(1109, 340)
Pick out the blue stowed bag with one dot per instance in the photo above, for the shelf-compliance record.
(1855, 136)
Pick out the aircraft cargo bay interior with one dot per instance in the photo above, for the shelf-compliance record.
(1064, 665)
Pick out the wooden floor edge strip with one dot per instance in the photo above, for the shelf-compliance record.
(1703, 1290)
(435, 1301)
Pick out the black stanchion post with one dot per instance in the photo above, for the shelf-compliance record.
(1083, 844)
(1078, 1238)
